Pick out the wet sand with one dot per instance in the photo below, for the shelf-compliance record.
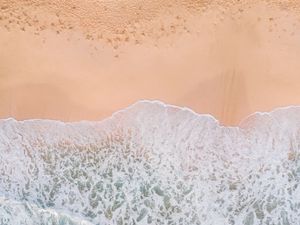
(84, 60)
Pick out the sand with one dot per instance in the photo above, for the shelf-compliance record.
(84, 60)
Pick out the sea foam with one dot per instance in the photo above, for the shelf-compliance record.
(152, 164)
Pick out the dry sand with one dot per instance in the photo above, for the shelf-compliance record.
(84, 60)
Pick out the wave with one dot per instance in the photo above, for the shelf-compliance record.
(14, 212)
(152, 164)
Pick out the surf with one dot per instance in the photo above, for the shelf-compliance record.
(152, 163)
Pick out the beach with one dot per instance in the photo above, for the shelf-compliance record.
(84, 60)
(181, 112)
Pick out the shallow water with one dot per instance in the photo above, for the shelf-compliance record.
(152, 164)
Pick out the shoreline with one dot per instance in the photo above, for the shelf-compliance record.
(243, 123)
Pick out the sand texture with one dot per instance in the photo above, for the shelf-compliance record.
(83, 60)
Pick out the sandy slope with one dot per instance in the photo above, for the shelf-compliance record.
(74, 60)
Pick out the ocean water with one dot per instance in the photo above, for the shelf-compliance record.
(152, 164)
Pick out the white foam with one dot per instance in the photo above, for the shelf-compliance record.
(153, 163)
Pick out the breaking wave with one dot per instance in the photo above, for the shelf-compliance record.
(152, 164)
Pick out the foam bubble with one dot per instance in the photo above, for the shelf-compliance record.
(152, 164)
